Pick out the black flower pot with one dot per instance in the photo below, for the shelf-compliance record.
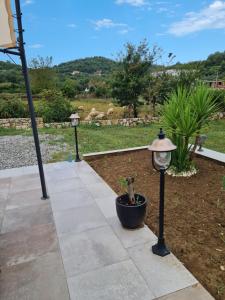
(131, 216)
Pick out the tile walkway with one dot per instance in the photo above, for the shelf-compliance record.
(73, 246)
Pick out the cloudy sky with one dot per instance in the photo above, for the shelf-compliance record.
(70, 29)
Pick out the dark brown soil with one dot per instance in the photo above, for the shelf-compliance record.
(194, 211)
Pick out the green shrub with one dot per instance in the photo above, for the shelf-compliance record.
(51, 95)
(184, 115)
(220, 98)
(55, 109)
(11, 107)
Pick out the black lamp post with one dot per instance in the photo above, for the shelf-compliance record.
(75, 122)
(161, 157)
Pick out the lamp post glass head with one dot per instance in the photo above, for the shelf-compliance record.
(161, 150)
(162, 159)
(75, 119)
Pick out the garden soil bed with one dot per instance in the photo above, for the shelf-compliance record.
(194, 211)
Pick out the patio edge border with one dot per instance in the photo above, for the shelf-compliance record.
(208, 153)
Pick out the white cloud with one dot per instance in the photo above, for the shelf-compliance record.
(132, 2)
(28, 2)
(107, 23)
(160, 34)
(71, 25)
(162, 9)
(211, 17)
(123, 31)
(36, 46)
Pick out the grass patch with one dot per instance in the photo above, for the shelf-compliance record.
(102, 105)
(96, 139)
(216, 136)
(13, 131)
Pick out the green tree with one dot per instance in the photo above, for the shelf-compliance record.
(159, 85)
(128, 81)
(70, 88)
(99, 87)
(43, 76)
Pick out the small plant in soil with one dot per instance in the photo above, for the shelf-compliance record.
(127, 184)
(130, 207)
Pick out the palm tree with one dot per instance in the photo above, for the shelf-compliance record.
(185, 114)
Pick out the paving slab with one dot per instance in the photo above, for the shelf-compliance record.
(3, 202)
(90, 178)
(64, 185)
(164, 275)
(60, 174)
(100, 190)
(24, 198)
(1, 218)
(24, 183)
(91, 250)
(71, 199)
(79, 219)
(25, 217)
(5, 182)
(26, 245)
(42, 278)
(4, 192)
(107, 205)
(132, 237)
(196, 292)
(15, 172)
(117, 281)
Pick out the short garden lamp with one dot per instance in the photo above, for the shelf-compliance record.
(201, 141)
(75, 122)
(161, 157)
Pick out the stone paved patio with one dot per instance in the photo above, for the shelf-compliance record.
(73, 246)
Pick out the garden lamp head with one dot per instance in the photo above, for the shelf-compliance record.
(75, 119)
(201, 141)
(161, 151)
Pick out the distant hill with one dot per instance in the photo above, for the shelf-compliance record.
(89, 65)
(210, 69)
(11, 79)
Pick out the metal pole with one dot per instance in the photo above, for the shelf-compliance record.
(160, 248)
(77, 159)
(30, 101)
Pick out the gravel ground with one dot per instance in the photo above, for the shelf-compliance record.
(17, 151)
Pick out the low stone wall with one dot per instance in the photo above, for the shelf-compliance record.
(20, 123)
(57, 125)
(129, 122)
(218, 116)
(25, 123)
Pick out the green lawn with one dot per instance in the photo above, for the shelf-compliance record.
(95, 139)
(216, 136)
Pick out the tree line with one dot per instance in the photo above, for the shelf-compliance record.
(133, 79)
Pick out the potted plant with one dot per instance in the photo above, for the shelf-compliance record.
(130, 207)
